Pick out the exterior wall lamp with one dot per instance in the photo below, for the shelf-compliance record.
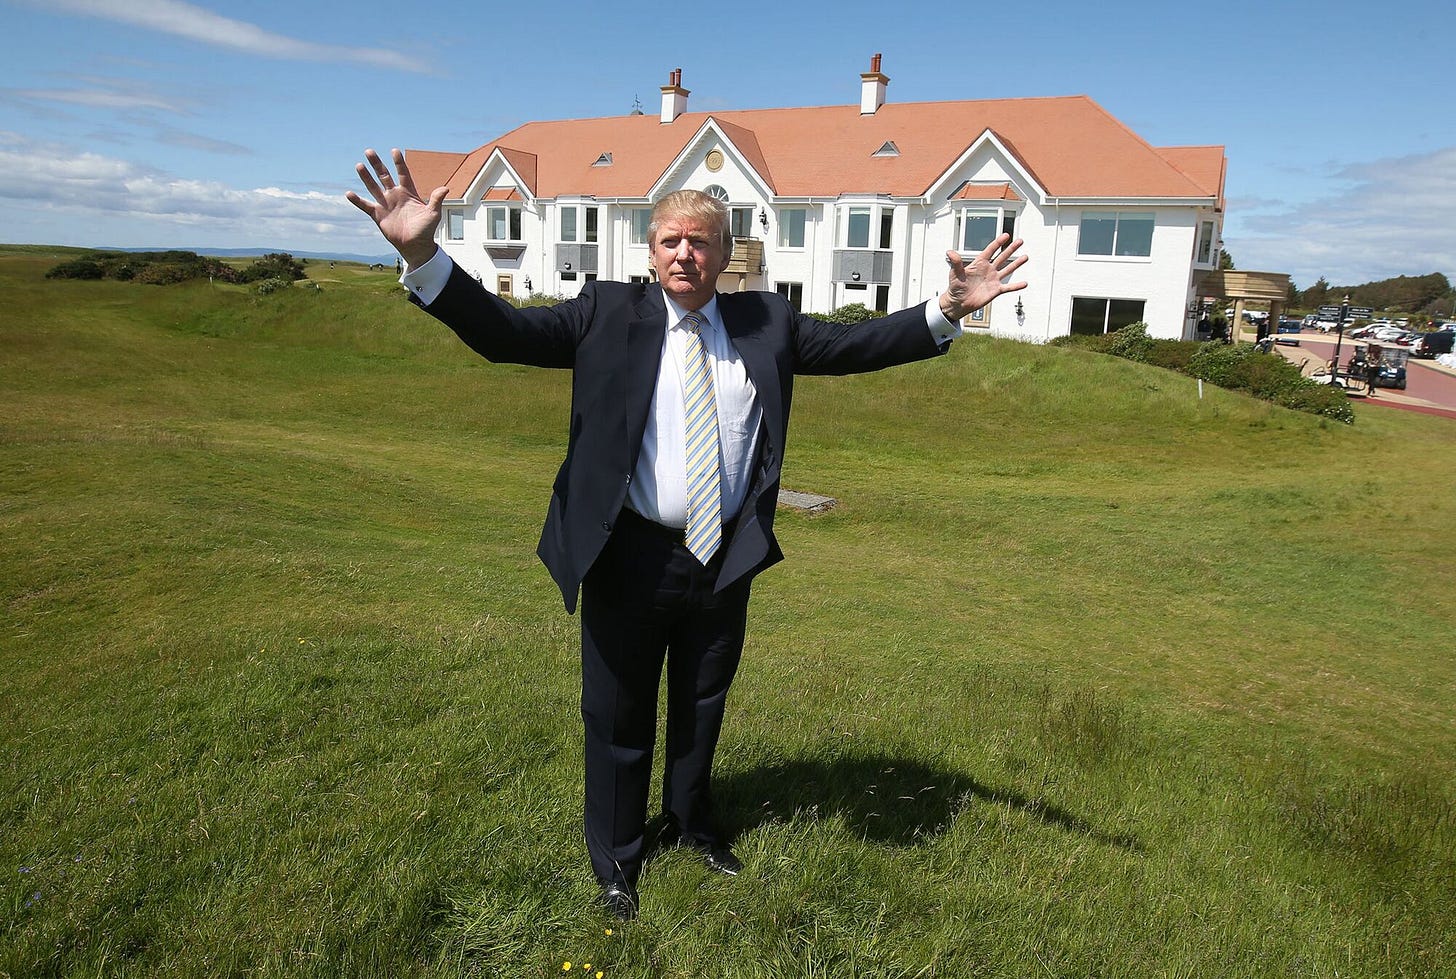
(763, 218)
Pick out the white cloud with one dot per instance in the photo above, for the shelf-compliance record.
(197, 24)
(52, 184)
(95, 98)
(1389, 217)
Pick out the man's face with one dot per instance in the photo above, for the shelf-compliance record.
(688, 255)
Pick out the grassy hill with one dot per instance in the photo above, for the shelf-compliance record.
(1085, 675)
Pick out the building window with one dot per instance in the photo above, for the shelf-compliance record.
(1127, 234)
(640, 280)
(791, 227)
(1093, 317)
(865, 226)
(716, 192)
(882, 299)
(793, 292)
(1204, 254)
(568, 276)
(641, 218)
(503, 223)
(591, 224)
(568, 224)
(976, 230)
(740, 222)
(857, 231)
(455, 224)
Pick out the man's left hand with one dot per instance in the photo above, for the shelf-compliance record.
(974, 284)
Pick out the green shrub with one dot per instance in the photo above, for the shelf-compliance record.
(536, 299)
(851, 313)
(164, 274)
(274, 265)
(77, 268)
(1131, 342)
(1173, 355)
(273, 284)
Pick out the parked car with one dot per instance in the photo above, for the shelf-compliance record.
(1431, 345)
(1287, 325)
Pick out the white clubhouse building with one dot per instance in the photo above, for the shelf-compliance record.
(855, 203)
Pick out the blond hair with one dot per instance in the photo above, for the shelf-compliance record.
(696, 206)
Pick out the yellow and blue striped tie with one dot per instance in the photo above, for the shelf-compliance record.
(700, 409)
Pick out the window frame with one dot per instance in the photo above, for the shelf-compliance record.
(455, 224)
(1107, 313)
(1115, 243)
(786, 226)
(793, 293)
(1203, 245)
(512, 222)
(636, 235)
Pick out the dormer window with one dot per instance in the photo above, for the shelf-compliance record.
(605, 160)
(889, 149)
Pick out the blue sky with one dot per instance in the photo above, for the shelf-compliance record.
(196, 123)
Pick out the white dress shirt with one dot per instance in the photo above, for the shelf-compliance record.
(658, 490)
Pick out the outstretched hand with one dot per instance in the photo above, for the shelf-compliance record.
(406, 220)
(974, 284)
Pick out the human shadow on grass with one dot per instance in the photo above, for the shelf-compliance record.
(890, 800)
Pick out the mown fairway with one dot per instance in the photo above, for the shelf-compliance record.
(1084, 676)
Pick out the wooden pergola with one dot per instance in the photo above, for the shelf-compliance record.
(1270, 287)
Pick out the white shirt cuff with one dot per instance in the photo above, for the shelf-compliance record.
(941, 328)
(428, 281)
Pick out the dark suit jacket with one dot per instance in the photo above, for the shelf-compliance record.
(611, 337)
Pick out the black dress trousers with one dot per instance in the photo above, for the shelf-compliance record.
(647, 597)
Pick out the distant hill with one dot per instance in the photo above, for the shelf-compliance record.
(387, 259)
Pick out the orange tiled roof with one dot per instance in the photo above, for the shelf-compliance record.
(986, 192)
(501, 194)
(1205, 165)
(1071, 146)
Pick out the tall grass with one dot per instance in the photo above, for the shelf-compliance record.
(1084, 675)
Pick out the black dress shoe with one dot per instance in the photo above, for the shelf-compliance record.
(720, 860)
(620, 901)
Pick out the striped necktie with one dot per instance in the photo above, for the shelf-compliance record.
(700, 409)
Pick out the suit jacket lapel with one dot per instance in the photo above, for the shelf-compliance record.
(643, 359)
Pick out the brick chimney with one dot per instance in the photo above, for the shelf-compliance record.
(871, 88)
(674, 97)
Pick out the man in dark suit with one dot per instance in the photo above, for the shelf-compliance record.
(662, 512)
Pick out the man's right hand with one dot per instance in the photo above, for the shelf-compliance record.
(406, 220)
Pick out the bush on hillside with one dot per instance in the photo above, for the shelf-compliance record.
(1131, 342)
(851, 313)
(154, 268)
(1237, 367)
(77, 268)
(1244, 367)
(274, 265)
(273, 284)
(536, 299)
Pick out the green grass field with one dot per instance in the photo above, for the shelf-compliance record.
(1084, 676)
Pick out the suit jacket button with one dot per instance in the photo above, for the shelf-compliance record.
(606, 526)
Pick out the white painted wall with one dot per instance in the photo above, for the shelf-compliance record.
(922, 234)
